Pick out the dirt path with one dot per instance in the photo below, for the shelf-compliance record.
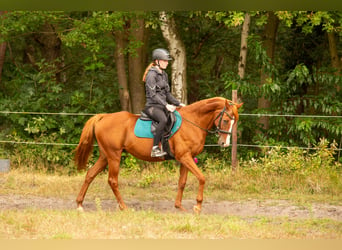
(269, 208)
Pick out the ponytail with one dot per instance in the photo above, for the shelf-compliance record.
(147, 69)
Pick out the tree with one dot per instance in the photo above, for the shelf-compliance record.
(335, 59)
(178, 52)
(50, 46)
(129, 34)
(298, 76)
(269, 41)
(120, 62)
(243, 47)
(136, 63)
(329, 22)
(2, 51)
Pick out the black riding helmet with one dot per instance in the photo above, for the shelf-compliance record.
(161, 54)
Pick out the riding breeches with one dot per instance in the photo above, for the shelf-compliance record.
(159, 115)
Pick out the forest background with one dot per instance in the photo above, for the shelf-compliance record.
(87, 62)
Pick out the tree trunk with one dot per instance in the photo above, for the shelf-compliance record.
(2, 52)
(49, 42)
(241, 72)
(136, 66)
(2, 57)
(177, 51)
(243, 47)
(269, 39)
(50, 45)
(120, 62)
(335, 60)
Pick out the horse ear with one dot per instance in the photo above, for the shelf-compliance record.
(239, 105)
(234, 104)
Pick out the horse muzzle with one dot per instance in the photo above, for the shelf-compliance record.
(224, 142)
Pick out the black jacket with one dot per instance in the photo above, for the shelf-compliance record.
(158, 89)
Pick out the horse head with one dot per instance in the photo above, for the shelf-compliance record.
(225, 122)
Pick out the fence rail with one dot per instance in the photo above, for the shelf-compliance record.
(91, 114)
(206, 145)
(289, 115)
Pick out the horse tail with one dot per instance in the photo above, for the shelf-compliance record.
(85, 146)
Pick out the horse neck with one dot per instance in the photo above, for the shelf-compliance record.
(206, 111)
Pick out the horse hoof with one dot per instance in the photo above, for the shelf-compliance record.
(80, 209)
(121, 207)
(197, 209)
(182, 209)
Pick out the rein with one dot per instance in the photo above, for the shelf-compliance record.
(218, 128)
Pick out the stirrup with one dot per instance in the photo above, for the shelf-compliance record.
(156, 152)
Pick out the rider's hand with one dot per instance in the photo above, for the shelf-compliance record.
(182, 105)
(170, 107)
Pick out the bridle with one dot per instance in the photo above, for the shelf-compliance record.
(220, 116)
(218, 127)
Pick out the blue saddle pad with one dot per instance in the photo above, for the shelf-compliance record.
(143, 128)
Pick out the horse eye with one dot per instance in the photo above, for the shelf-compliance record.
(225, 121)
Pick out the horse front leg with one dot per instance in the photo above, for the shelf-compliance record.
(98, 167)
(189, 163)
(183, 175)
(113, 176)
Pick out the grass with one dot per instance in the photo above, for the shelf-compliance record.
(297, 177)
(155, 182)
(70, 224)
(162, 184)
(293, 174)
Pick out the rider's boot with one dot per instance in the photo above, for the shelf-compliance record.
(156, 152)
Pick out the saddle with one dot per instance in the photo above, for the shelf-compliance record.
(145, 127)
(169, 125)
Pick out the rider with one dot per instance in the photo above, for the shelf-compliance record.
(159, 100)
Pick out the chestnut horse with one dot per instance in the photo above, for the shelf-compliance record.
(114, 133)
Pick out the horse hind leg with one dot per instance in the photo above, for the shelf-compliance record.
(183, 175)
(113, 176)
(98, 167)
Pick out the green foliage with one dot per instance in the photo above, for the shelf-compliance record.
(83, 77)
(303, 89)
(307, 20)
(88, 30)
(14, 23)
(298, 76)
(147, 180)
(297, 170)
(298, 161)
(38, 91)
(230, 18)
(130, 163)
(47, 158)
